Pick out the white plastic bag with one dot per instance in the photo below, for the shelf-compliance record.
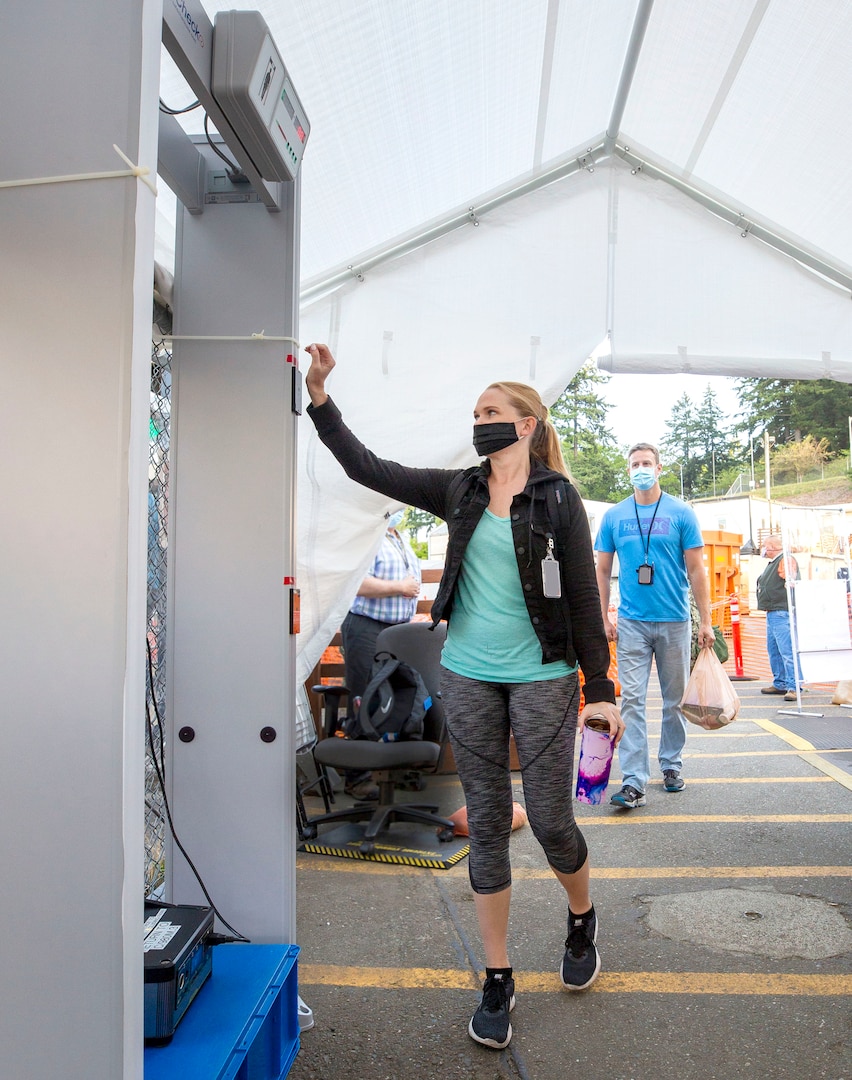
(709, 699)
(843, 693)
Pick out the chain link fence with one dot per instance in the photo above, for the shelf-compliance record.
(155, 697)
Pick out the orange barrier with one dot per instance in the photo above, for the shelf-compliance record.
(612, 672)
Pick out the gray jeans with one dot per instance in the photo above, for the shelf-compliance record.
(543, 718)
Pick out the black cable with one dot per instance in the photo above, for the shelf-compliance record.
(178, 112)
(216, 150)
(160, 770)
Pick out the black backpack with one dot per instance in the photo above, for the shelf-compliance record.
(394, 704)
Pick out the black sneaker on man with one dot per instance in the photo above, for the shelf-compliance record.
(581, 963)
(672, 780)
(490, 1025)
(628, 798)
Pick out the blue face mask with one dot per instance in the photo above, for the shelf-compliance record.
(643, 478)
(395, 519)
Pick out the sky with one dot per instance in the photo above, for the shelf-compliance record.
(643, 403)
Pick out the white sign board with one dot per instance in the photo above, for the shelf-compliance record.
(822, 630)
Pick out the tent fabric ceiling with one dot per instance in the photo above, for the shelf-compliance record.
(419, 108)
(419, 111)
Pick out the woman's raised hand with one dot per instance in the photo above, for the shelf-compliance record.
(322, 363)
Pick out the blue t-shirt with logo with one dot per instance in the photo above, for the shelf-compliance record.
(675, 529)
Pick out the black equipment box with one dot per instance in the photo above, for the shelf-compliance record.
(178, 960)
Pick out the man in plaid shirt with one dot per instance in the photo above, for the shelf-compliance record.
(387, 595)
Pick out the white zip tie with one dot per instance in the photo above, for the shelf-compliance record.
(141, 172)
(262, 336)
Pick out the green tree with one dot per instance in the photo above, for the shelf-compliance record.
(600, 473)
(822, 408)
(767, 403)
(799, 457)
(678, 448)
(714, 438)
(415, 519)
(698, 446)
(580, 413)
(790, 408)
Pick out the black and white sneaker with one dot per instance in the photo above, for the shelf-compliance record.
(490, 1023)
(581, 963)
(672, 780)
(628, 798)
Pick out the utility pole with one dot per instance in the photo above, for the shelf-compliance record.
(766, 442)
(751, 455)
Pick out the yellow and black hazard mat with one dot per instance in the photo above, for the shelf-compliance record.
(405, 845)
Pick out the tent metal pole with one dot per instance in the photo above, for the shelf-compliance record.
(572, 163)
(628, 70)
(790, 245)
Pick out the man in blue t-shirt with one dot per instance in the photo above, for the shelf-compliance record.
(660, 553)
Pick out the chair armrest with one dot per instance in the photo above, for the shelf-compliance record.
(330, 691)
(331, 695)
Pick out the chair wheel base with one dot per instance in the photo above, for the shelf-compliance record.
(446, 835)
(309, 832)
(367, 847)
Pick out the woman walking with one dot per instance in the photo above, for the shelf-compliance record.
(520, 598)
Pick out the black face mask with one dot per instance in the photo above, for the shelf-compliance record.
(489, 438)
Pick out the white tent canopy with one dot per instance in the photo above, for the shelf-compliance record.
(492, 190)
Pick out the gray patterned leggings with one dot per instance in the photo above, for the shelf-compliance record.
(543, 718)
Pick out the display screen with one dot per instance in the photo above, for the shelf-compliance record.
(291, 112)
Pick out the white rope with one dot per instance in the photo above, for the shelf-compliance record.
(262, 336)
(141, 172)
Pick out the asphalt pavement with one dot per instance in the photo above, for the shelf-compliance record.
(725, 929)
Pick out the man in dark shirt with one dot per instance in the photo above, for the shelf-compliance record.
(772, 598)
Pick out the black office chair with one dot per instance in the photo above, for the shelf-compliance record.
(420, 646)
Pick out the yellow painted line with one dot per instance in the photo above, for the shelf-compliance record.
(613, 982)
(629, 872)
(751, 780)
(697, 982)
(832, 771)
(766, 753)
(694, 819)
(388, 978)
(700, 733)
(348, 866)
(361, 866)
(788, 737)
(807, 751)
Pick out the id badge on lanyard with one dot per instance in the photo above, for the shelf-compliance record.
(551, 582)
(645, 572)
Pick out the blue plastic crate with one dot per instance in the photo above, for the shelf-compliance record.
(244, 1024)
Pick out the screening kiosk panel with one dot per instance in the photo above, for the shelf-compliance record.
(253, 89)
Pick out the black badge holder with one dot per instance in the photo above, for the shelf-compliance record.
(645, 573)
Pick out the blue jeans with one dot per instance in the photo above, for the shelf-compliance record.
(668, 643)
(779, 645)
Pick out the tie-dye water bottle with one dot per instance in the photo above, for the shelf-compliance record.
(595, 761)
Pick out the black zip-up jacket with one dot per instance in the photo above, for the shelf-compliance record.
(569, 628)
